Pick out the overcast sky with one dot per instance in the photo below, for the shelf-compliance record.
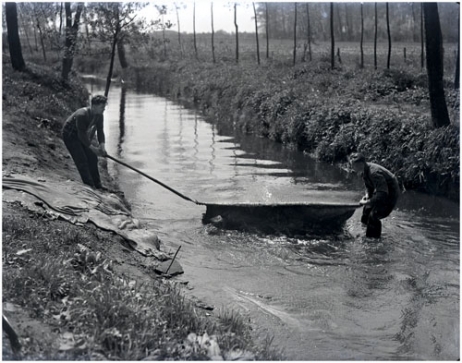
(223, 16)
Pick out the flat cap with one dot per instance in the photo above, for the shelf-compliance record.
(357, 158)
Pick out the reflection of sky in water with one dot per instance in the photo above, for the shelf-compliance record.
(351, 296)
(175, 146)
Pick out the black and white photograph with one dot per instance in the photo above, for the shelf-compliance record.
(216, 180)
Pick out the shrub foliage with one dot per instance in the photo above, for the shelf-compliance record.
(329, 114)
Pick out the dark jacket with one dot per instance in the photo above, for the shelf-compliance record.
(381, 185)
(83, 124)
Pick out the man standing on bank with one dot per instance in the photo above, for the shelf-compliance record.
(78, 132)
(382, 193)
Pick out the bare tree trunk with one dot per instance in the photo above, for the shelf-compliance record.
(194, 29)
(11, 13)
(179, 31)
(256, 33)
(309, 30)
(42, 42)
(295, 33)
(111, 66)
(115, 39)
(213, 34)
(24, 25)
(122, 54)
(375, 38)
(71, 39)
(457, 76)
(123, 96)
(332, 40)
(434, 45)
(237, 32)
(34, 28)
(389, 37)
(60, 19)
(267, 31)
(164, 40)
(87, 31)
(362, 36)
(422, 54)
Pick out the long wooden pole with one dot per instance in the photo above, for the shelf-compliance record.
(154, 180)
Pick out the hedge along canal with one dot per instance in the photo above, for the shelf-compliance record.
(321, 297)
(329, 114)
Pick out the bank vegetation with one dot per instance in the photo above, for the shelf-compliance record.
(322, 100)
(75, 292)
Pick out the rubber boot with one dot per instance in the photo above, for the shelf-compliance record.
(374, 228)
(366, 213)
(364, 219)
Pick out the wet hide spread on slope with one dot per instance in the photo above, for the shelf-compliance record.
(79, 204)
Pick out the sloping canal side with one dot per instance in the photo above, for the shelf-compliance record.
(73, 291)
(323, 297)
(329, 114)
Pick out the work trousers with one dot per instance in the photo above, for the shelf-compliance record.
(85, 160)
(372, 216)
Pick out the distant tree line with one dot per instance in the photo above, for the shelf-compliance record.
(55, 28)
(404, 17)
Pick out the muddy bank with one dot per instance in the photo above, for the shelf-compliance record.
(329, 114)
(75, 291)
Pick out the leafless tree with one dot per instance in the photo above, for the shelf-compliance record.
(71, 39)
(256, 33)
(332, 40)
(457, 76)
(60, 18)
(213, 34)
(389, 37)
(422, 37)
(434, 48)
(40, 30)
(237, 32)
(179, 30)
(17, 60)
(309, 30)
(375, 36)
(112, 23)
(194, 29)
(295, 33)
(24, 25)
(362, 36)
(267, 31)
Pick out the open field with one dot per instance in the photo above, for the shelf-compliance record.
(281, 50)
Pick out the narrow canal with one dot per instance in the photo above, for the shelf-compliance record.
(332, 297)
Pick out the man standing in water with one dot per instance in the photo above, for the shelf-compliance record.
(78, 132)
(382, 193)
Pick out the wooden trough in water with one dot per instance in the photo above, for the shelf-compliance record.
(280, 217)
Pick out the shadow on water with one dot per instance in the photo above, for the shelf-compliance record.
(325, 294)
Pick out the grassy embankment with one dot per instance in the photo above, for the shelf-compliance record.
(72, 291)
(385, 113)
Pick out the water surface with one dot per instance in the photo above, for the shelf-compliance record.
(333, 297)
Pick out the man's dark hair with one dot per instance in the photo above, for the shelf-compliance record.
(98, 100)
